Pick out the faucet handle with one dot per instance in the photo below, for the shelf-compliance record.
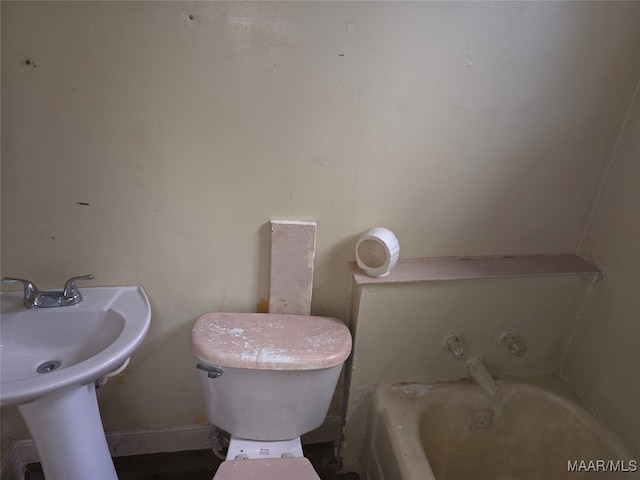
(456, 344)
(31, 292)
(29, 286)
(70, 290)
(512, 340)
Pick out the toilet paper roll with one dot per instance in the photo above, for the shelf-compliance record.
(377, 251)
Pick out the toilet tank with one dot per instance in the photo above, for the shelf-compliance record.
(278, 372)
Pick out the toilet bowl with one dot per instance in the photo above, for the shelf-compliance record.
(268, 379)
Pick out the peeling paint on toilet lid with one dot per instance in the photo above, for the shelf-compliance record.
(267, 341)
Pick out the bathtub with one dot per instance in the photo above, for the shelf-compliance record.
(454, 431)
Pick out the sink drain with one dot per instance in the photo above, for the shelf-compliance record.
(47, 367)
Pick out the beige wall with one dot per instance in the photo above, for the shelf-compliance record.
(468, 129)
(603, 358)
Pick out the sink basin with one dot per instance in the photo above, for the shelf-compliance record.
(72, 345)
(50, 361)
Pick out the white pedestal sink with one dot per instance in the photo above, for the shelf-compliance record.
(50, 359)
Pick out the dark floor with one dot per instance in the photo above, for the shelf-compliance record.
(199, 465)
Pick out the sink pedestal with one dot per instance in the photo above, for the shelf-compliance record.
(67, 430)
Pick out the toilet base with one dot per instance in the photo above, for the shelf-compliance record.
(267, 469)
(239, 448)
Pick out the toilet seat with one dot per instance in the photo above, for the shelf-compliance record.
(293, 468)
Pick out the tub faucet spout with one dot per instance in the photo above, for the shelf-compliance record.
(482, 376)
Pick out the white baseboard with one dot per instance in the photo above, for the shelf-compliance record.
(121, 443)
(12, 466)
(151, 440)
(19, 454)
(158, 440)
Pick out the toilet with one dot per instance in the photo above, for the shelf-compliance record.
(267, 380)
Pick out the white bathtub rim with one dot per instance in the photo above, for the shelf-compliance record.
(405, 437)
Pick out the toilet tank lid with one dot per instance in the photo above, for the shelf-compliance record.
(266, 341)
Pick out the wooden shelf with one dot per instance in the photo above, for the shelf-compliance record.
(468, 268)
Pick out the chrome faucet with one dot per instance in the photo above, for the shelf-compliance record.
(34, 298)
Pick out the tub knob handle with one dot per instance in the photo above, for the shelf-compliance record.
(512, 341)
(455, 344)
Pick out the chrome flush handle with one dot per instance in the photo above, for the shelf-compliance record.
(212, 371)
